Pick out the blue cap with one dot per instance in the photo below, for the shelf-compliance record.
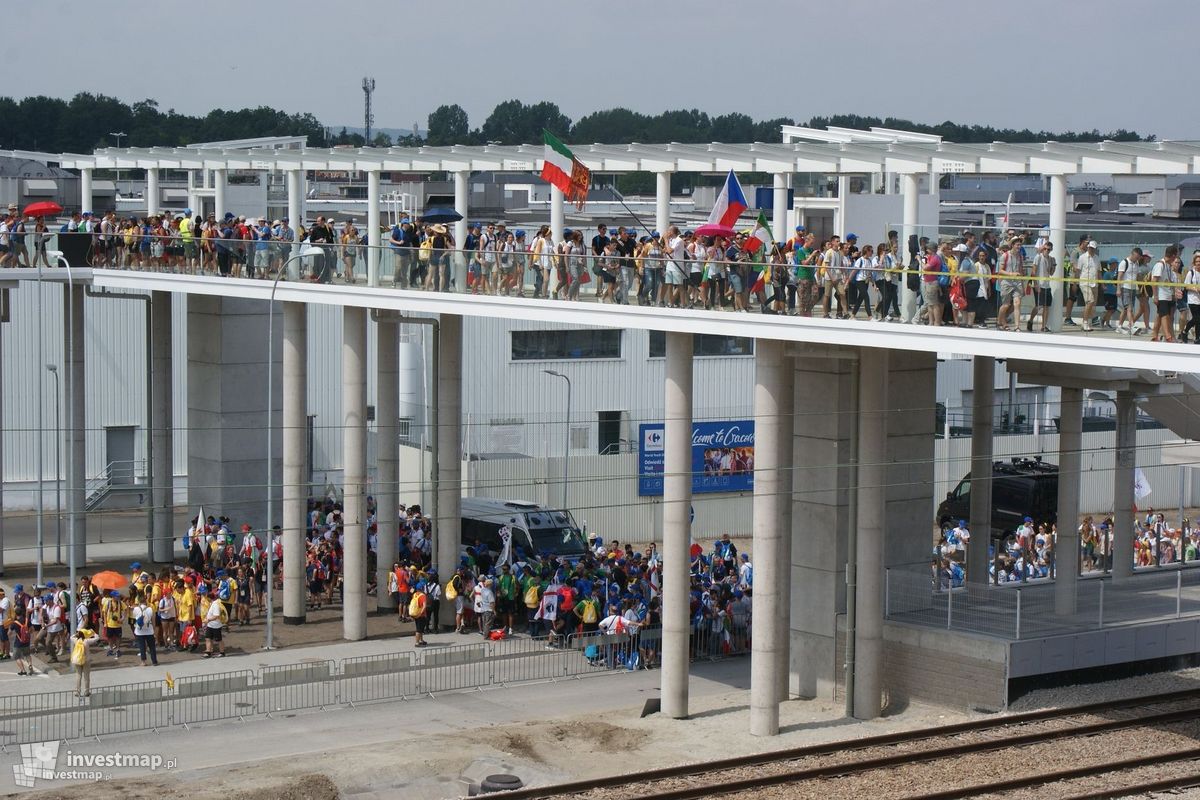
(1029, 519)
(851, 237)
(799, 227)
(114, 593)
(86, 214)
(962, 522)
(745, 556)
(520, 234)
(136, 565)
(404, 220)
(187, 211)
(19, 587)
(566, 231)
(655, 234)
(220, 573)
(228, 215)
(285, 219)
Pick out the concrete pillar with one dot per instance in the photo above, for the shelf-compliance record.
(153, 196)
(787, 475)
(354, 469)
(193, 199)
(295, 459)
(769, 572)
(387, 413)
(219, 193)
(1066, 551)
(229, 361)
(1123, 496)
(983, 398)
(557, 200)
(295, 200)
(871, 510)
(662, 200)
(677, 502)
(162, 480)
(910, 189)
(85, 192)
(843, 190)
(461, 205)
(448, 430)
(779, 198)
(374, 234)
(1058, 247)
(76, 423)
(67, 400)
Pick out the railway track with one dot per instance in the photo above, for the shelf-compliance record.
(894, 765)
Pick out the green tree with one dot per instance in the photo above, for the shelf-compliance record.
(513, 122)
(447, 125)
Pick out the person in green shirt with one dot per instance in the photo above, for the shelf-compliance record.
(803, 258)
(506, 597)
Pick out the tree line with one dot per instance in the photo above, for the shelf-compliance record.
(88, 121)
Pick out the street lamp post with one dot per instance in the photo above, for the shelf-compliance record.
(118, 136)
(305, 251)
(53, 369)
(567, 437)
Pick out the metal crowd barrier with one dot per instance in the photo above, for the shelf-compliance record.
(189, 700)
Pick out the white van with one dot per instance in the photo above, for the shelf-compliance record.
(535, 529)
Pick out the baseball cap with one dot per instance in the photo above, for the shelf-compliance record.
(962, 522)
(229, 215)
(1093, 245)
(960, 248)
(136, 565)
(851, 237)
(114, 593)
(799, 227)
(1029, 519)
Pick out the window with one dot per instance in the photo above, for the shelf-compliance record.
(705, 345)
(552, 345)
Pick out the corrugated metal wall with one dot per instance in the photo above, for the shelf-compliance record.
(115, 356)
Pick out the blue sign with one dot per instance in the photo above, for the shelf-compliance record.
(722, 457)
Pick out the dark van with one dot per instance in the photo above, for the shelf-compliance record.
(1021, 487)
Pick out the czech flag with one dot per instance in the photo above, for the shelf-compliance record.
(730, 203)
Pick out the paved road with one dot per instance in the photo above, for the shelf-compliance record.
(111, 534)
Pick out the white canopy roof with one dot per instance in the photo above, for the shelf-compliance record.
(905, 155)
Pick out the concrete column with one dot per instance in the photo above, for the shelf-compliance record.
(1066, 551)
(193, 199)
(769, 572)
(779, 197)
(677, 502)
(219, 193)
(461, 205)
(1123, 496)
(295, 200)
(76, 423)
(448, 431)
(85, 193)
(662, 200)
(374, 234)
(387, 413)
(787, 475)
(983, 398)
(354, 468)
(67, 400)
(295, 459)
(871, 517)
(557, 200)
(1058, 247)
(162, 479)
(153, 197)
(843, 190)
(910, 189)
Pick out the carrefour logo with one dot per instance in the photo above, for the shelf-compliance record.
(653, 439)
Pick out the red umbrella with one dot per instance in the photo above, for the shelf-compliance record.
(712, 229)
(44, 208)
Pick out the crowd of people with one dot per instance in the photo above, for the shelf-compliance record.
(1028, 552)
(972, 279)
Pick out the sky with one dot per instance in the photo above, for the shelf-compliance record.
(1041, 64)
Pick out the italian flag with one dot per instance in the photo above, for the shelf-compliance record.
(561, 169)
(762, 235)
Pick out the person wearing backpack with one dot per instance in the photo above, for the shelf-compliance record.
(506, 598)
(143, 630)
(531, 592)
(418, 611)
(22, 637)
(215, 620)
(84, 638)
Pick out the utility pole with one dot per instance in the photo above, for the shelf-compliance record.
(368, 87)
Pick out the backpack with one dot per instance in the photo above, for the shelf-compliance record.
(426, 250)
(224, 615)
(531, 596)
(79, 653)
(416, 606)
(451, 591)
(223, 589)
(588, 614)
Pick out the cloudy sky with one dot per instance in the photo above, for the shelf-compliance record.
(1052, 64)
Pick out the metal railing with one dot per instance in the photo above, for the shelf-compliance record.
(240, 694)
(115, 474)
(1020, 611)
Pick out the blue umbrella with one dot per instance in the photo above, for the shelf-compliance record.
(441, 215)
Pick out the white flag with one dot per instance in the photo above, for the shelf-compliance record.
(506, 542)
(1141, 486)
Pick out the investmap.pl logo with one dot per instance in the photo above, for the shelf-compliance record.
(40, 761)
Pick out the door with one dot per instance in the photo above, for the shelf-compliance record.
(118, 454)
(609, 432)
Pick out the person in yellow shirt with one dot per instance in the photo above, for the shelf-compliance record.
(84, 638)
(187, 238)
(112, 613)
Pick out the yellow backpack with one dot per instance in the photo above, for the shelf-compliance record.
(451, 592)
(426, 250)
(532, 599)
(589, 614)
